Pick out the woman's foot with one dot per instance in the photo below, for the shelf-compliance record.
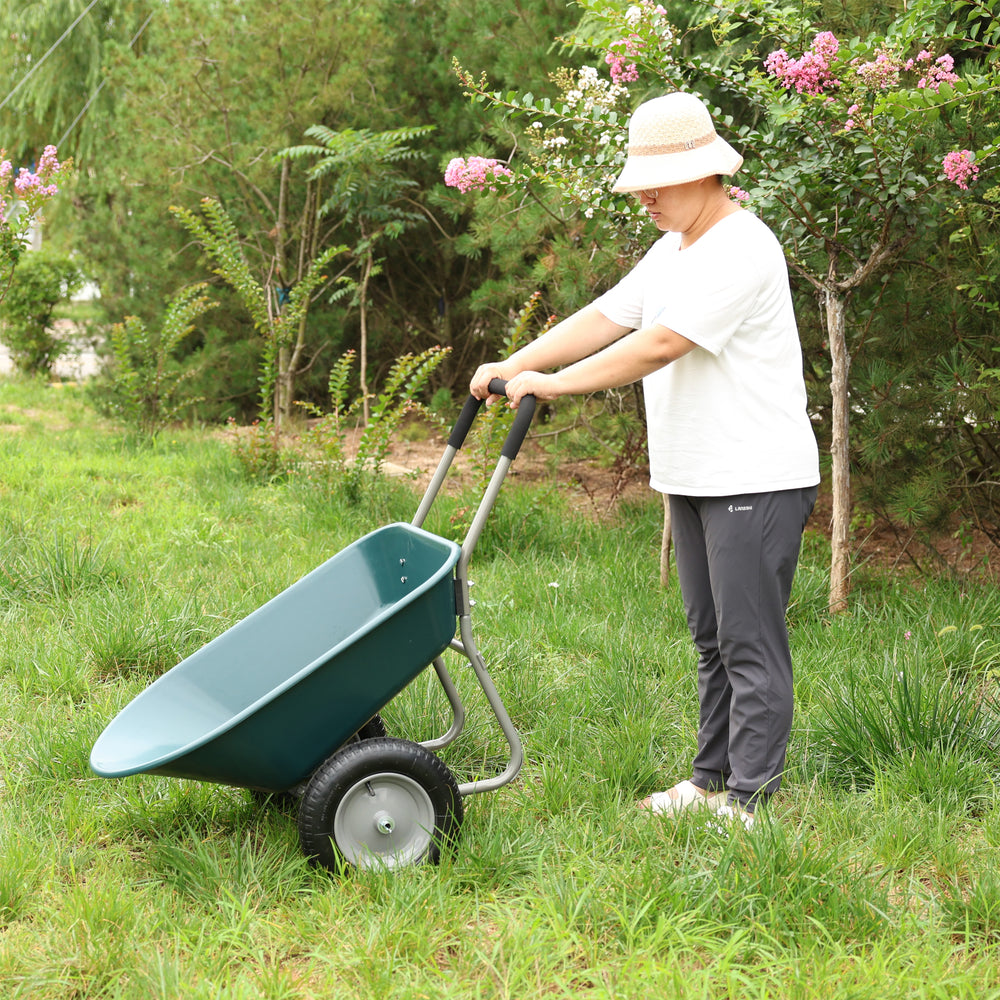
(683, 797)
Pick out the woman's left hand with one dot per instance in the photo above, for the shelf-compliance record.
(537, 384)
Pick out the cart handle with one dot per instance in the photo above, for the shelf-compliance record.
(517, 432)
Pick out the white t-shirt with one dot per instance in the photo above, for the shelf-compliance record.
(730, 416)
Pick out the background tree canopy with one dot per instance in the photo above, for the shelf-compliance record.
(164, 104)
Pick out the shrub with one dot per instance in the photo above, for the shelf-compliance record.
(41, 281)
(147, 383)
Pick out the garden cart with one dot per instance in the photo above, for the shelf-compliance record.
(287, 700)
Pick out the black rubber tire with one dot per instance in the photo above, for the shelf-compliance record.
(371, 730)
(379, 803)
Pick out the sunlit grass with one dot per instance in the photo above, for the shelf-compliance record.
(875, 875)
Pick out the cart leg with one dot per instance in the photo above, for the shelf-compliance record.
(457, 709)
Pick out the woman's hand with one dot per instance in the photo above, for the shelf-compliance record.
(537, 384)
(479, 385)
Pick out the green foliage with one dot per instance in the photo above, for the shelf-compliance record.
(275, 316)
(148, 387)
(259, 451)
(904, 714)
(39, 283)
(398, 399)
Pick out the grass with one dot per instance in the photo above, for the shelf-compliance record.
(876, 876)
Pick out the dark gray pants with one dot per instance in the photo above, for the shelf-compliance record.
(736, 557)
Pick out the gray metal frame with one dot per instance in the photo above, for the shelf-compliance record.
(465, 642)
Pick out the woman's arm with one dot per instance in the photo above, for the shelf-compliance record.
(576, 337)
(625, 361)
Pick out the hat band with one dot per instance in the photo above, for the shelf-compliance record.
(672, 147)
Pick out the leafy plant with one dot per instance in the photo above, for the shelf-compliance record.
(147, 384)
(40, 282)
(407, 378)
(259, 451)
(368, 190)
(279, 314)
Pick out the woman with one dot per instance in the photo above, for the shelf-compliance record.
(706, 320)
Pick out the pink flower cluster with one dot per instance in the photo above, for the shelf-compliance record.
(478, 173)
(883, 72)
(619, 53)
(960, 167)
(738, 194)
(935, 72)
(811, 74)
(32, 188)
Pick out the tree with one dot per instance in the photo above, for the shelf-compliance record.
(217, 87)
(368, 191)
(191, 98)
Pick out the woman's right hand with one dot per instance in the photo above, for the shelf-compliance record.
(479, 385)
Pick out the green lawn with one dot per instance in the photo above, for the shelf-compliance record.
(876, 875)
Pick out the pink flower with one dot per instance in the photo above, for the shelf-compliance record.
(478, 173)
(935, 73)
(738, 194)
(959, 167)
(810, 74)
(883, 72)
(617, 58)
(622, 71)
(32, 188)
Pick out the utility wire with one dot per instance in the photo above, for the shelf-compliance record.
(62, 37)
(100, 87)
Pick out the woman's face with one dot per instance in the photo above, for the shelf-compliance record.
(678, 207)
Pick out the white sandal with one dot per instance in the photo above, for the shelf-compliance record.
(683, 797)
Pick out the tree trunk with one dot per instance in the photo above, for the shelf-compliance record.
(836, 302)
(283, 382)
(283, 390)
(363, 352)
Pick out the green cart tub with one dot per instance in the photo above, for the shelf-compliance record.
(261, 705)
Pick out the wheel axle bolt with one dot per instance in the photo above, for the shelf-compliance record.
(384, 823)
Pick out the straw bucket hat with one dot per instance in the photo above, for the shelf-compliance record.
(671, 140)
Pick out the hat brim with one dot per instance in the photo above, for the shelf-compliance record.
(643, 173)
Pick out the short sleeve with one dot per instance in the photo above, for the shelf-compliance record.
(633, 300)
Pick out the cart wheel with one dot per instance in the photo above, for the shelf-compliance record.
(382, 802)
(371, 730)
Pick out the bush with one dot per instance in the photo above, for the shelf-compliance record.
(149, 387)
(41, 281)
